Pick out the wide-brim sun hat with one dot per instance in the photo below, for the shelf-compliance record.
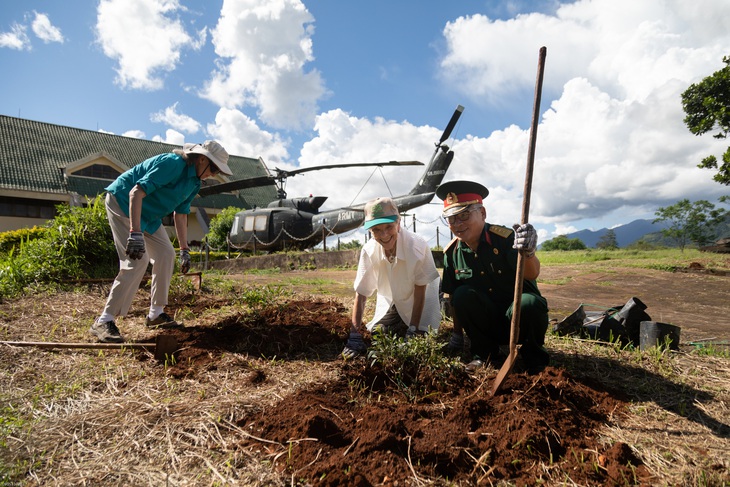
(458, 196)
(213, 151)
(379, 211)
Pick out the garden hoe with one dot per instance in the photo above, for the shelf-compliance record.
(515, 324)
(164, 345)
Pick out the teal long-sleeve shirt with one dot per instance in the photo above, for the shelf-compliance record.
(169, 183)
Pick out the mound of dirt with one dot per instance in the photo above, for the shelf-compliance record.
(298, 329)
(337, 435)
(361, 429)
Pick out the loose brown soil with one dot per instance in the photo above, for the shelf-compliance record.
(356, 425)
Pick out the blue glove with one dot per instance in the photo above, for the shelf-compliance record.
(525, 238)
(135, 245)
(413, 332)
(184, 260)
(455, 345)
(355, 346)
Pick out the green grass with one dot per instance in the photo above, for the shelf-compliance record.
(558, 282)
(710, 349)
(415, 366)
(321, 286)
(662, 259)
(263, 272)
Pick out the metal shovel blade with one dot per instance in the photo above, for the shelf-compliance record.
(165, 347)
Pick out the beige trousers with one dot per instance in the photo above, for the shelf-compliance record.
(158, 250)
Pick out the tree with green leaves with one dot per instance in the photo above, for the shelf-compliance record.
(562, 242)
(690, 222)
(220, 227)
(352, 244)
(707, 106)
(76, 244)
(607, 241)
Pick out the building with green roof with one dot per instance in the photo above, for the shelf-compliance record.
(43, 165)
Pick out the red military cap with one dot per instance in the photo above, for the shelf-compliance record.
(459, 195)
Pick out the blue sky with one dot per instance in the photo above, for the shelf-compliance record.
(329, 81)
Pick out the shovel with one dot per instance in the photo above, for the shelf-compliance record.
(164, 345)
(515, 324)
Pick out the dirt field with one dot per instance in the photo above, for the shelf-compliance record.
(258, 395)
(696, 301)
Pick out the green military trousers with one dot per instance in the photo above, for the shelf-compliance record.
(487, 321)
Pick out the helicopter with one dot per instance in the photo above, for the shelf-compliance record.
(297, 223)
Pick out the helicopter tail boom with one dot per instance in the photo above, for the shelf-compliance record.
(437, 166)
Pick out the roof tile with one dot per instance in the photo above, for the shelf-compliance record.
(33, 155)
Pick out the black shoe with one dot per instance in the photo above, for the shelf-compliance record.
(474, 365)
(497, 359)
(162, 321)
(106, 332)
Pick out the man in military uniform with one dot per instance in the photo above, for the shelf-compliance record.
(480, 265)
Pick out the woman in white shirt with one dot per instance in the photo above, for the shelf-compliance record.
(398, 264)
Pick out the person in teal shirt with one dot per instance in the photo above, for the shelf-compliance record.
(480, 266)
(136, 202)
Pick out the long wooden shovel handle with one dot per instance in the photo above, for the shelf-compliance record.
(79, 345)
(519, 275)
(164, 345)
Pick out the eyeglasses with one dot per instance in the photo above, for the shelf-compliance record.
(462, 217)
(213, 168)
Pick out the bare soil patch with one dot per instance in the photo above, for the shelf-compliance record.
(697, 302)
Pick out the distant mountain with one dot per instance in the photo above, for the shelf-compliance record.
(638, 229)
(625, 234)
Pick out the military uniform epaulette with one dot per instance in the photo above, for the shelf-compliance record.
(451, 244)
(503, 232)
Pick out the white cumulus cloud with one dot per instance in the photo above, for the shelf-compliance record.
(264, 48)
(46, 31)
(611, 136)
(178, 121)
(240, 135)
(17, 38)
(145, 37)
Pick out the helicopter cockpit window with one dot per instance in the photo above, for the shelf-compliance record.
(257, 223)
(260, 224)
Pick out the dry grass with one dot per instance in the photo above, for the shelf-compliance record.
(84, 417)
(679, 423)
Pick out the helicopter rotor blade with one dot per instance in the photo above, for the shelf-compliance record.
(284, 173)
(237, 185)
(451, 124)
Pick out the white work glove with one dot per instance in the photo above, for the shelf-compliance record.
(184, 260)
(135, 245)
(525, 239)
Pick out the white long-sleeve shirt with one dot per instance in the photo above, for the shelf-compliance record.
(394, 282)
